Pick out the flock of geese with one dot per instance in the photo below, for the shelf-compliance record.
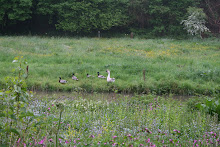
(99, 76)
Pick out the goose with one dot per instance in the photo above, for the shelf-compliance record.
(62, 81)
(89, 76)
(74, 77)
(101, 76)
(108, 78)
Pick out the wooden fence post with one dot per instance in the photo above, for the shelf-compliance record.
(99, 34)
(144, 74)
(132, 35)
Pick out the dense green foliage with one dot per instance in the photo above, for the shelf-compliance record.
(152, 17)
(207, 104)
(172, 66)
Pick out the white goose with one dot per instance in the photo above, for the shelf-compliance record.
(74, 77)
(101, 76)
(62, 81)
(108, 78)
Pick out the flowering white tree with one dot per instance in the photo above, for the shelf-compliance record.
(195, 23)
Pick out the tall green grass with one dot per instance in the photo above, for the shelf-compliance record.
(172, 66)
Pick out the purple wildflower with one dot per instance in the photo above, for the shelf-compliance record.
(115, 137)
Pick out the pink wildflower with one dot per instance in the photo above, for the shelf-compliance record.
(114, 144)
(66, 141)
(49, 108)
(92, 136)
(50, 139)
(19, 140)
(114, 137)
(42, 141)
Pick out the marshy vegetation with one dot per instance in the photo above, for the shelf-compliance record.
(120, 120)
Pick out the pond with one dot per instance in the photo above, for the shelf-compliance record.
(99, 96)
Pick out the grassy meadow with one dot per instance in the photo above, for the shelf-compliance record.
(172, 66)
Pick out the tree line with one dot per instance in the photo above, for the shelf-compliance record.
(79, 17)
